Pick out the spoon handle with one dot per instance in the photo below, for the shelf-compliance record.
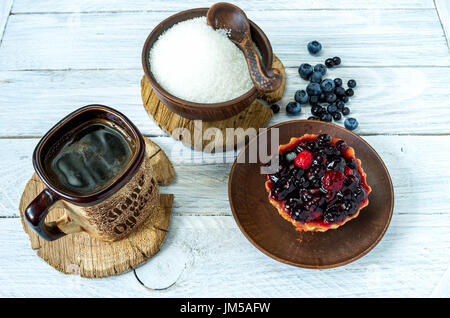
(265, 81)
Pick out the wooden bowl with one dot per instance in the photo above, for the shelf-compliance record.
(190, 110)
(276, 237)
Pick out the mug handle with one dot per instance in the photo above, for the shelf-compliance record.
(36, 213)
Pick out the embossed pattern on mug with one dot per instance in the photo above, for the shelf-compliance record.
(126, 209)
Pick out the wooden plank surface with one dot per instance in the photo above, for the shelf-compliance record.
(217, 260)
(5, 9)
(45, 6)
(210, 176)
(99, 41)
(443, 9)
(56, 56)
(402, 100)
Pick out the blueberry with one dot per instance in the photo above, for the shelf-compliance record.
(301, 96)
(332, 108)
(338, 82)
(320, 68)
(344, 98)
(327, 85)
(339, 91)
(331, 98)
(341, 145)
(351, 83)
(329, 63)
(322, 97)
(337, 116)
(313, 100)
(316, 110)
(313, 89)
(293, 108)
(275, 108)
(349, 92)
(290, 156)
(336, 60)
(351, 123)
(340, 105)
(314, 47)
(324, 137)
(316, 77)
(345, 111)
(313, 118)
(305, 70)
(326, 117)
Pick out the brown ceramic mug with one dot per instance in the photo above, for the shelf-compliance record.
(88, 145)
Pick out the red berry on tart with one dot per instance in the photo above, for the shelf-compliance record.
(320, 184)
(303, 159)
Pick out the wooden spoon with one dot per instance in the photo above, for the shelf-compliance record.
(227, 16)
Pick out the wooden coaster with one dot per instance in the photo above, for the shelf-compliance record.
(254, 116)
(83, 255)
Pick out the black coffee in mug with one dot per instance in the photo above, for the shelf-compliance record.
(90, 158)
(93, 163)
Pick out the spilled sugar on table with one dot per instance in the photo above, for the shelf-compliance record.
(392, 49)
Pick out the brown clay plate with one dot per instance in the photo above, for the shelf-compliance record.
(276, 237)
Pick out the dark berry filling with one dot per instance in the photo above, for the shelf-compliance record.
(319, 180)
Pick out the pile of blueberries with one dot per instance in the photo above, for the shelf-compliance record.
(327, 97)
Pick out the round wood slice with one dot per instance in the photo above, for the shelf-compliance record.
(84, 255)
(254, 116)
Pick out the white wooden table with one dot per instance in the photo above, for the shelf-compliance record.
(56, 56)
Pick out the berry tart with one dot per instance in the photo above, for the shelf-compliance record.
(320, 184)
